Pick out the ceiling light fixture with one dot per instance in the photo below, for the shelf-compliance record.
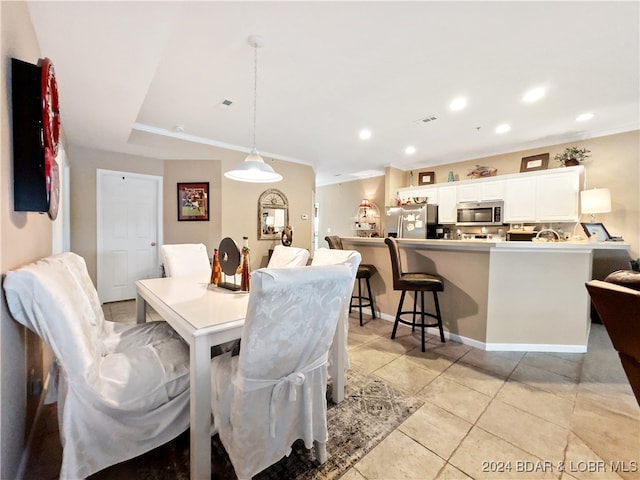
(504, 128)
(410, 150)
(533, 95)
(458, 103)
(253, 169)
(365, 134)
(584, 117)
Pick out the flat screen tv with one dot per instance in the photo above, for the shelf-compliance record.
(29, 182)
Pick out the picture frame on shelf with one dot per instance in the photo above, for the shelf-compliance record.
(596, 230)
(535, 162)
(193, 201)
(426, 178)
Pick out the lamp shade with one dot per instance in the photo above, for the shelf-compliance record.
(253, 170)
(596, 200)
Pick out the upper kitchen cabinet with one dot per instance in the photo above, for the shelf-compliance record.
(447, 212)
(520, 197)
(485, 190)
(540, 196)
(545, 196)
(557, 197)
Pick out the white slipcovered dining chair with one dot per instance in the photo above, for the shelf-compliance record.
(122, 389)
(352, 259)
(286, 257)
(183, 259)
(274, 392)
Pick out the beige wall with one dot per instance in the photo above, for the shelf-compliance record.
(84, 163)
(24, 237)
(239, 212)
(614, 163)
(463, 308)
(233, 205)
(338, 205)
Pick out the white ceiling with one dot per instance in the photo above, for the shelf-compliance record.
(129, 73)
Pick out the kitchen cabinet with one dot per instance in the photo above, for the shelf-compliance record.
(492, 190)
(519, 203)
(447, 204)
(547, 196)
(481, 191)
(557, 197)
(468, 192)
(540, 196)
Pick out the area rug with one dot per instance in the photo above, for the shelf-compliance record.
(372, 409)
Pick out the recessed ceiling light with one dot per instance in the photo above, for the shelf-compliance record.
(533, 95)
(458, 103)
(584, 117)
(365, 134)
(503, 128)
(410, 150)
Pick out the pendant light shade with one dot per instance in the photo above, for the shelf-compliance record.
(253, 169)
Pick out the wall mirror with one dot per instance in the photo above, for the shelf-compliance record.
(273, 214)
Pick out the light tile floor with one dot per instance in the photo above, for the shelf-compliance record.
(487, 415)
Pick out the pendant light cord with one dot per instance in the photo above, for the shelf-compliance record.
(255, 93)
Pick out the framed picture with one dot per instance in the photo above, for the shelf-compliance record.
(596, 230)
(426, 178)
(535, 162)
(193, 201)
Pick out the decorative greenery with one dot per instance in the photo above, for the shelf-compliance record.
(572, 153)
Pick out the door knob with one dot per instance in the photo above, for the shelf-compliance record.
(153, 244)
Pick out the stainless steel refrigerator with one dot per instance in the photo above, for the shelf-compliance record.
(411, 221)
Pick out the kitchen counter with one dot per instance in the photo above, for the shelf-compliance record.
(519, 296)
(488, 244)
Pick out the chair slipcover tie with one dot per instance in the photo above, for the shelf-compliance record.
(293, 380)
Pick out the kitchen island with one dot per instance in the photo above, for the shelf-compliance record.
(504, 296)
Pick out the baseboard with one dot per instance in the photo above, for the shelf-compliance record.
(497, 347)
(535, 347)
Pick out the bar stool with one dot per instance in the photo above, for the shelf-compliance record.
(414, 282)
(365, 272)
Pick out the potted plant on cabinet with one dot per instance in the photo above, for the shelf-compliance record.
(572, 156)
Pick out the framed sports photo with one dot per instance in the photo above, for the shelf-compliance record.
(193, 201)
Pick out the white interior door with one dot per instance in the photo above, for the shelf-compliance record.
(129, 222)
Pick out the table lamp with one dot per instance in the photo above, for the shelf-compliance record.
(596, 200)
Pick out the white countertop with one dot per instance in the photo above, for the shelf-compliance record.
(486, 245)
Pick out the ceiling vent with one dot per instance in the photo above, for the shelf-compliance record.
(428, 118)
(225, 103)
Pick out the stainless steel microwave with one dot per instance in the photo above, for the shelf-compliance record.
(479, 213)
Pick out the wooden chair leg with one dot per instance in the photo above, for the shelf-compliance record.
(360, 299)
(435, 299)
(415, 307)
(422, 317)
(373, 308)
(395, 324)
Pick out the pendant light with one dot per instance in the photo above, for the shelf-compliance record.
(253, 169)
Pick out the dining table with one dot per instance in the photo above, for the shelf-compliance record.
(205, 315)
